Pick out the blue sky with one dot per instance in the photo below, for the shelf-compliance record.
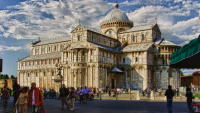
(22, 21)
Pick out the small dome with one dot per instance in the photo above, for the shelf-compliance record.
(116, 15)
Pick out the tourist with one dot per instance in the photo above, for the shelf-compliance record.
(97, 92)
(59, 94)
(86, 94)
(5, 94)
(189, 99)
(16, 94)
(81, 94)
(72, 98)
(77, 95)
(109, 92)
(22, 100)
(148, 92)
(160, 90)
(177, 92)
(35, 99)
(169, 93)
(63, 95)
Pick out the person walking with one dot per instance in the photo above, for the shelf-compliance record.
(86, 93)
(189, 99)
(16, 91)
(63, 96)
(72, 98)
(22, 101)
(160, 90)
(59, 94)
(77, 93)
(81, 94)
(109, 92)
(35, 99)
(169, 93)
(148, 92)
(5, 94)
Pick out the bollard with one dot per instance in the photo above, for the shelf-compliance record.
(152, 95)
(130, 95)
(138, 95)
(180, 96)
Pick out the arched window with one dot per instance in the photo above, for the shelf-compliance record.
(123, 60)
(110, 32)
(142, 37)
(79, 38)
(44, 74)
(61, 47)
(28, 74)
(83, 53)
(49, 48)
(133, 38)
(136, 59)
(36, 74)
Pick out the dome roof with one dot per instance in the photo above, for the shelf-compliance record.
(116, 15)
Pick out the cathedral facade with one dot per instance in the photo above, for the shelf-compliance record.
(118, 55)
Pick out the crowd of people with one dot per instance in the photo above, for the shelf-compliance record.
(33, 98)
(147, 91)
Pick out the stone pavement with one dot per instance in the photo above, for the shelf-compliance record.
(108, 106)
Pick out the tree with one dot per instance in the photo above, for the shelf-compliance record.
(12, 76)
(4, 76)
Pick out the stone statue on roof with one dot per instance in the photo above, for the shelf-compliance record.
(59, 68)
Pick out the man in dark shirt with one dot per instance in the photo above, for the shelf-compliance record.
(63, 95)
(5, 94)
(169, 93)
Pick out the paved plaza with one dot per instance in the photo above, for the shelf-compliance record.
(108, 106)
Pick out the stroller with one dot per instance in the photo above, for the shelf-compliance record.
(195, 109)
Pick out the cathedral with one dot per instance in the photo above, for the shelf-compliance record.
(118, 55)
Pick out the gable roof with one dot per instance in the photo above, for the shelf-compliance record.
(163, 42)
(140, 28)
(137, 47)
(88, 29)
(78, 46)
(52, 41)
(167, 43)
(105, 47)
(42, 56)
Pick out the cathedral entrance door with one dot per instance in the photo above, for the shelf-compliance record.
(113, 84)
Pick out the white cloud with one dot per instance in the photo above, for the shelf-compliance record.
(189, 71)
(50, 19)
(7, 48)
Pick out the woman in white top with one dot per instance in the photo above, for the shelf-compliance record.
(22, 101)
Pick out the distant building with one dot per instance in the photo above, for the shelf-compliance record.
(88, 57)
(196, 78)
(186, 81)
(1, 65)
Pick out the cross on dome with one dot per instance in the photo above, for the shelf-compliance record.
(116, 5)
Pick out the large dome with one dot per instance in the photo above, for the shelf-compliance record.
(116, 15)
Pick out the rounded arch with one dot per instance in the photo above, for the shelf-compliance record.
(120, 30)
(110, 32)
